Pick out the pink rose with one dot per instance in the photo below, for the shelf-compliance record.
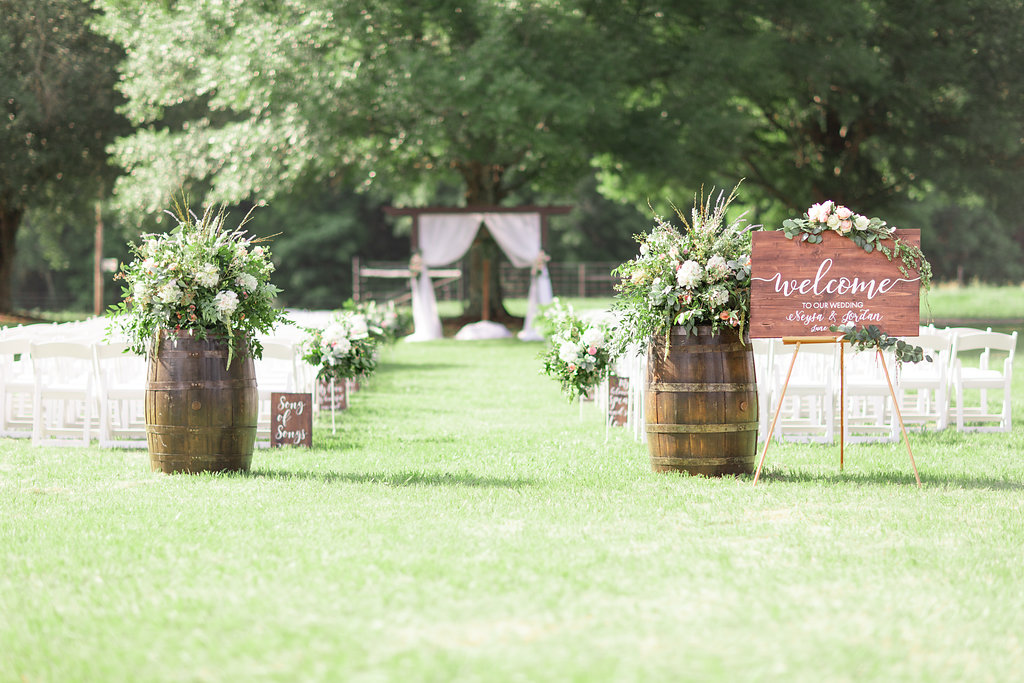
(843, 213)
(572, 367)
(845, 226)
(592, 350)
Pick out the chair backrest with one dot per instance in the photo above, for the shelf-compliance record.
(62, 363)
(116, 366)
(986, 343)
(277, 368)
(15, 360)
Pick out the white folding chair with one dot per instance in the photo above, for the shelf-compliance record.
(923, 388)
(62, 405)
(868, 410)
(976, 367)
(16, 388)
(121, 388)
(277, 371)
(808, 407)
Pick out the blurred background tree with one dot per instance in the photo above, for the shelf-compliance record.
(329, 110)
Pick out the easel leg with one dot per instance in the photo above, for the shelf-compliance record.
(899, 416)
(842, 403)
(778, 409)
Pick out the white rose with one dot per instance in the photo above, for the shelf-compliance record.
(861, 222)
(833, 221)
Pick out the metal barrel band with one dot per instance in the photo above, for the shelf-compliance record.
(703, 387)
(701, 428)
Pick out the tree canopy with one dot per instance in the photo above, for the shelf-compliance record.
(58, 104)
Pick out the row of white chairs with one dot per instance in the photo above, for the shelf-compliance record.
(967, 384)
(57, 390)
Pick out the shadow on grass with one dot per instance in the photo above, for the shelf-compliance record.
(891, 478)
(401, 478)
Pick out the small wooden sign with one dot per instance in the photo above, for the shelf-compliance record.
(618, 401)
(799, 289)
(332, 394)
(291, 420)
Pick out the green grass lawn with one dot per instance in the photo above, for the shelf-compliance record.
(466, 524)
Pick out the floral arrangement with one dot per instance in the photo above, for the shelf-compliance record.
(386, 323)
(698, 276)
(200, 277)
(345, 348)
(580, 353)
(867, 233)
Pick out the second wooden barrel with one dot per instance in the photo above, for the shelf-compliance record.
(200, 413)
(701, 403)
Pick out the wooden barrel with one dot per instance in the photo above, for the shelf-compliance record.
(701, 403)
(200, 414)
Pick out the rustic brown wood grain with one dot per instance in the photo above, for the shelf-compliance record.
(801, 289)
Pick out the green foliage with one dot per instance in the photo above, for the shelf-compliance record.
(700, 276)
(580, 353)
(870, 337)
(58, 115)
(201, 278)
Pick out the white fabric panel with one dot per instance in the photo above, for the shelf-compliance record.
(425, 318)
(444, 238)
(518, 235)
(540, 295)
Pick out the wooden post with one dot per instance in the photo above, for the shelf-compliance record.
(355, 279)
(97, 263)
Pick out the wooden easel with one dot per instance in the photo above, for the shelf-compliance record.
(842, 400)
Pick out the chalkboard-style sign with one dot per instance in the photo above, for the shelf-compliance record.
(618, 401)
(798, 289)
(291, 420)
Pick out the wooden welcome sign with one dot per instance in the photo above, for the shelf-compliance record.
(798, 289)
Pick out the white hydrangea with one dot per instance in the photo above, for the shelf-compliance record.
(246, 282)
(142, 293)
(718, 296)
(226, 302)
(689, 274)
(593, 336)
(169, 293)
(207, 275)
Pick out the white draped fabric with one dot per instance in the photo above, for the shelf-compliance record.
(445, 238)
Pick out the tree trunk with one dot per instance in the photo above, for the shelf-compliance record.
(10, 220)
(483, 188)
